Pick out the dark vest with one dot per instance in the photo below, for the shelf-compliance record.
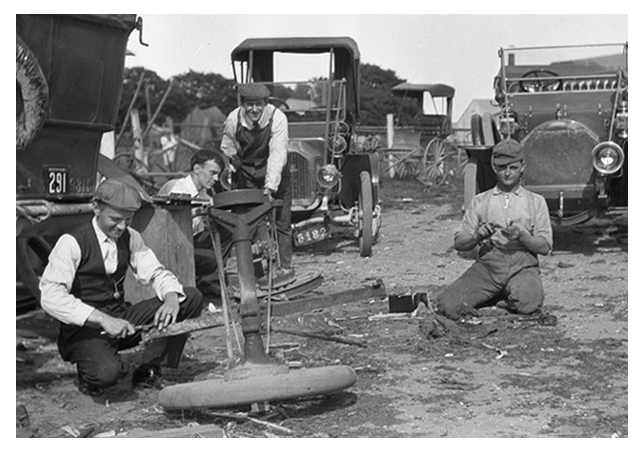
(253, 155)
(91, 284)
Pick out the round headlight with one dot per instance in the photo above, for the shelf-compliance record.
(328, 176)
(337, 145)
(608, 158)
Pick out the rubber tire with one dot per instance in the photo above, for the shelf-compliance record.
(365, 214)
(32, 95)
(470, 184)
(475, 128)
(488, 126)
(219, 393)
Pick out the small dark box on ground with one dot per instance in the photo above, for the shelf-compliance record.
(406, 302)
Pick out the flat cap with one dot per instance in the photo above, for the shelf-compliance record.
(253, 91)
(506, 152)
(119, 195)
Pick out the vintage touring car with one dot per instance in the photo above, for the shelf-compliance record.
(334, 185)
(568, 106)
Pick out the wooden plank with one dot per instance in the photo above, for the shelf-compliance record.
(167, 230)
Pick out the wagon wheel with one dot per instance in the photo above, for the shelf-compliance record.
(365, 215)
(434, 167)
(406, 169)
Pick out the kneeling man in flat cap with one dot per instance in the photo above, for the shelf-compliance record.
(82, 287)
(255, 138)
(511, 226)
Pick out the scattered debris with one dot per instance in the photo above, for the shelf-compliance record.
(338, 339)
(189, 431)
(245, 417)
(501, 353)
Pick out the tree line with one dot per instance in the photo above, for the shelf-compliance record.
(204, 90)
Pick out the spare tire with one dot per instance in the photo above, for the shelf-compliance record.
(32, 95)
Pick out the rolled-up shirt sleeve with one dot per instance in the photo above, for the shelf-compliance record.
(56, 284)
(470, 222)
(278, 151)
(149, 271)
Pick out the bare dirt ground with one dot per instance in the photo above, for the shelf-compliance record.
(495, 377)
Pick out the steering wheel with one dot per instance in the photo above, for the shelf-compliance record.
(535, 83)
(279, 102)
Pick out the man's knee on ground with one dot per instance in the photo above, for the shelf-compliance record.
(449, 306)
(104, 373)
(526, 297)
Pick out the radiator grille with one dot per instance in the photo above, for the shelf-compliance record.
(302, 179)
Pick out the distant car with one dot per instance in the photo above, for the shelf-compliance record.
(333, 185)
(568, 106)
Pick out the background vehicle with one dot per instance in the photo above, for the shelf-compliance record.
(333, 184)
(69, 77)
(568, 106)
(417, 146)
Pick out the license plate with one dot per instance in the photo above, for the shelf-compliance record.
(56, 181)
(311, 235)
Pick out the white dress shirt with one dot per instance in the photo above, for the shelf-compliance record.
(277, 146)
(57, 279)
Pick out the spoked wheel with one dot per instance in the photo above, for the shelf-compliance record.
(433, 168)
(365, 215)
(406, 167)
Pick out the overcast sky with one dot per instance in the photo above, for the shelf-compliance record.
(459, 50)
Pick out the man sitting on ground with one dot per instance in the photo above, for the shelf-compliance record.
(205, 169)
(512, 226)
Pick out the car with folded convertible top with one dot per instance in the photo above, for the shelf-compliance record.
(568, 106)
(315, 81)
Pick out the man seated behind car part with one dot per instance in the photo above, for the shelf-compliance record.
(255, 139)
(83, 287)
(205, 169)
(512, 226)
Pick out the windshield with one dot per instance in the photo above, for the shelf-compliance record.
(538, 69)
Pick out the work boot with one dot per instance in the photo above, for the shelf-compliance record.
(281, 278)
(88, 389)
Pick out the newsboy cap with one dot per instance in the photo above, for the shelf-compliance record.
(506, 152)
(253, 91)
(119, 195)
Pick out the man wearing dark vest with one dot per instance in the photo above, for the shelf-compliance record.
(512, 226)
(83, 287)
(255, 139)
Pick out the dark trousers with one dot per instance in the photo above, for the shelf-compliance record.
(514, 275)
(206, 269)
(96, 355)
(284, 193)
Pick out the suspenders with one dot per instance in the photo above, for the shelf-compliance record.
(487, 196)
